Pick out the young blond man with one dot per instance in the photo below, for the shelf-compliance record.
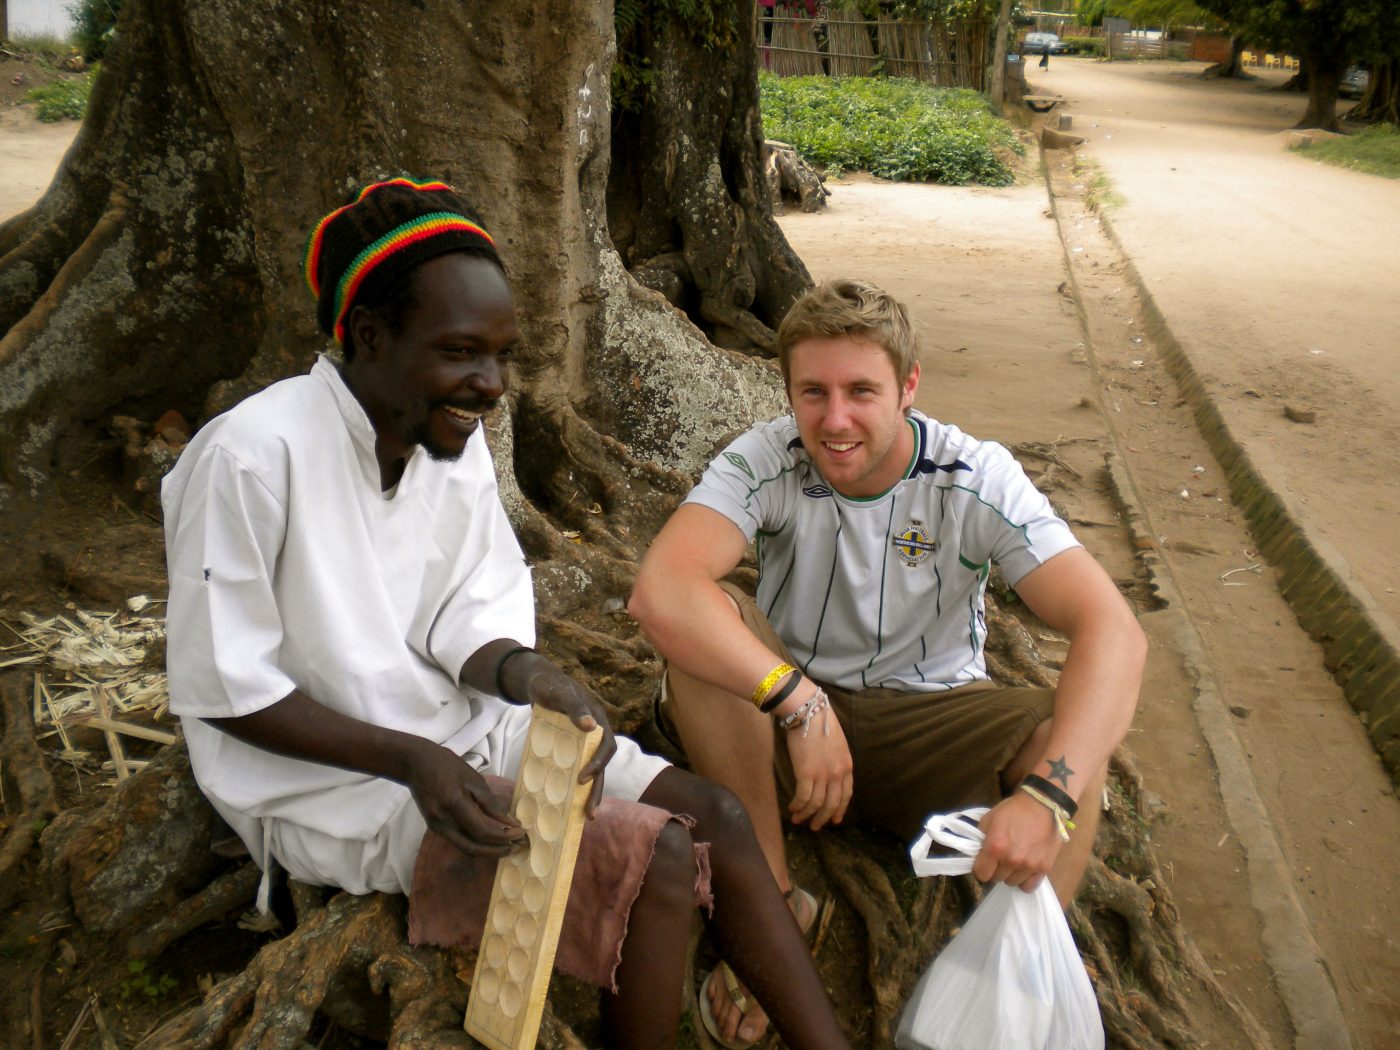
(853, 684)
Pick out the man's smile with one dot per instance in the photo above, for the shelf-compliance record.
(464, 417)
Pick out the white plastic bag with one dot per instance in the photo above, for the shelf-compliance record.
(1011, 979)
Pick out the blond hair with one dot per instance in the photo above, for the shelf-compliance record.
(846, 307)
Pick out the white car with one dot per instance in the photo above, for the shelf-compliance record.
(1035, 44)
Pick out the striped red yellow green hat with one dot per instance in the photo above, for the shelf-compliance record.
(389, 227)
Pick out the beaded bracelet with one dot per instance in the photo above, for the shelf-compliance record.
(770, 680)
(501, 666)
(782, 694)
(816, 704)
(1052, 792)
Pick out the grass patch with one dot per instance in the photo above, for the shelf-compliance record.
(1374, 150)
(64, 99)
(894, 128)
(1099, 193)
(41, 46)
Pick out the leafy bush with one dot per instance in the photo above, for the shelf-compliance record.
(64, 99)
(1375, 150)
(1084, 45)
(896, 129)
(94, 22)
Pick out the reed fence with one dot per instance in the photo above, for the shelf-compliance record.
(946, 54)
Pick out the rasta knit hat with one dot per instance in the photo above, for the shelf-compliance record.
(389, 228)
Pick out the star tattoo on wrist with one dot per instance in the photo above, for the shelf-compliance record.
(1059, 770)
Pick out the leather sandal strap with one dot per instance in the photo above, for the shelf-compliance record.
(737, 995)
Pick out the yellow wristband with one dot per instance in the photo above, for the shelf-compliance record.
(770, 680)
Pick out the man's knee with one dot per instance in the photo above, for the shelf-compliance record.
(719, 815)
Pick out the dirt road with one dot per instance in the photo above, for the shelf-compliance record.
(1282, 273)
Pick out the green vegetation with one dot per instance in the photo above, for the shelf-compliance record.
(151, 986)
(1084, 45)
(94, 22)
(64, 99)
(896, 129)
(1376, 150)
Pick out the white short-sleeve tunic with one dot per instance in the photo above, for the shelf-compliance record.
(290, 568)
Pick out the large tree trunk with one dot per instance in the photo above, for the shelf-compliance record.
(688, 200)
(1324, 72)
(166, 256)
(1231, 67)
(162, 270)
(1381, 103)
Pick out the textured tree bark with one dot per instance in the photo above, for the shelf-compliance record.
(1324, 77)
(688, 197)
(166, 256)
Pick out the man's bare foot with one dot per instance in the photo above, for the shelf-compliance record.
(734, 1018)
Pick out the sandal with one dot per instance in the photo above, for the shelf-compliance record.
(818, 919)
(738, 997)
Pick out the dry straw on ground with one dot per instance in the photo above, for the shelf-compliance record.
(97, 670)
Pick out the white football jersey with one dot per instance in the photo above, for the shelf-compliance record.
(884, 591)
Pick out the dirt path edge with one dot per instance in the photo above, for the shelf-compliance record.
(1362, 643)
(1304, 982)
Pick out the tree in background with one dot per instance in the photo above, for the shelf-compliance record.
(94, 22)
(1326, 35)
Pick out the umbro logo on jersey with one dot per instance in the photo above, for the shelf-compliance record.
(740, 462)
(817, 492)
(914, 543)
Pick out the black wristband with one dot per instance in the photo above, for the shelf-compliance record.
(501, 666)
(1055, 794)
(782, 694)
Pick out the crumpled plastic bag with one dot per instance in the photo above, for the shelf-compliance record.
(1012, 978)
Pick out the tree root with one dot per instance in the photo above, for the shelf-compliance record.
(216, 901)
(22, 763)
(891, 964)
(346, 960)
(343, 960)
(790, 177)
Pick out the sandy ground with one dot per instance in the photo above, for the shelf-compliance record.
(1284, 272)
(1008, 356)
(29, 153)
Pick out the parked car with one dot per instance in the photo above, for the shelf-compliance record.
(1354, 83)
(1035, 44)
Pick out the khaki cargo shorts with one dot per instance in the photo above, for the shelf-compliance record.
(917, 753)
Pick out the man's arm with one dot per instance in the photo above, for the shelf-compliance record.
(1094, 704)
(453, 797)
(693, 624)
(681, 609)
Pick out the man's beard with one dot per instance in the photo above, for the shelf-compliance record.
(418, 435)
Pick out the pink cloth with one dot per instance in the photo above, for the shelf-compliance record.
(451, 889)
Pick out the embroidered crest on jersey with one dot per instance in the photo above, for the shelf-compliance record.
(740, 462)
(816, 492)
(914, 543)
